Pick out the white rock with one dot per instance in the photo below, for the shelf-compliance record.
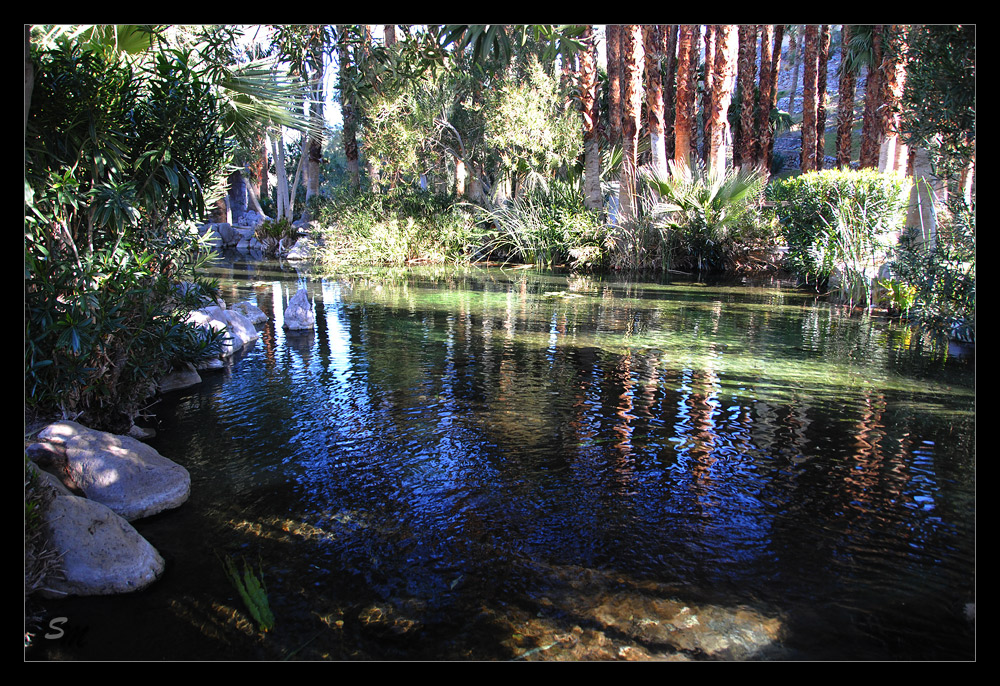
(299, 314)
(101, 553)
(126, 475)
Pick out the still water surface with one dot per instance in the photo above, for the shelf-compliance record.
(509, 464)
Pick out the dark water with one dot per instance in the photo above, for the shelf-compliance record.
(496, 465)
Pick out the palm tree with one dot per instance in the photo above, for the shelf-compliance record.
(823, 57)
(892, 152)
(631, 46)
(845, 104)
(722, 93)
(746, 69)
(591, 132)
(684, 110)
(347, 108)
(869, 40)
(766, 89)
(653, 39)
(809, 86)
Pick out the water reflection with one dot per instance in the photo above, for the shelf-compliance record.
(504, 446)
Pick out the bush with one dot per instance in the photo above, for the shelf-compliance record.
(827, 214)
(943, 276)
(709, 216)
(117, 157)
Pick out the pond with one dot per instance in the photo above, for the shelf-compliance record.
(510, 464)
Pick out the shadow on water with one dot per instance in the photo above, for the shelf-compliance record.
(509, 464)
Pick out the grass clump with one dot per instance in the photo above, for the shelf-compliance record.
(250, 586)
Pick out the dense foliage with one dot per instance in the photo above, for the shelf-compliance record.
(831, 215)
(118, 156)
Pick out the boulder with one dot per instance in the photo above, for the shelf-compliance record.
(101, 553)
(299, 315)
(251, 312)
(240, 329)
(126, 475)
(184, 377)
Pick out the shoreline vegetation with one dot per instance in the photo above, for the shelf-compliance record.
(466, 144)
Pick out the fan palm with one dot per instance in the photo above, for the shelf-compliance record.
(701, 204)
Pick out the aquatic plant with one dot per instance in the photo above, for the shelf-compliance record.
(252, 590)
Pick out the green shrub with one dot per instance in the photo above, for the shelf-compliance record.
(817, 211)
(117, 159)
(706, 214)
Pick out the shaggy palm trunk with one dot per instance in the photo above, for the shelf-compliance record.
(746, 69)
(892, 151)
(871, 134)
(707, 93)
(631, 47)
(591, 133)
(668, 77)
(652, 40)
(348, 115)
(722, 95)
(684, 110)
(845, 104)
(823, 58)
(809, 84)
(614, 84)
(766, 85)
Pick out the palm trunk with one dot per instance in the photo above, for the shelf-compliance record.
(766, 85)
(652, 39)
(348, 114)
(722, 95)
(631, 44)
(747, 74)
(871, 134)
(668, 77)
(809, 82)
(892, 152)
(683, 114)
(593, 199)
(845, 104)
(823, 57)
(707, 93)
(614, 55)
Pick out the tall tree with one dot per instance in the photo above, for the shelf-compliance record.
(653, 41)
(668, 77)
(684, 109)
(347, 107)
(631, 51)
(823, 58)
(845, 103)
(708, 92)
(722, 95)
(809, 84)
(892, 151)
(591, 132)
(746, 70)
(795, 49)
(614, 57)
(779, 39)
(871, 122)
(766, 87)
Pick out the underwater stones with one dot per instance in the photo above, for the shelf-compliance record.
(125, 475)
(101, 553)
(299, 315)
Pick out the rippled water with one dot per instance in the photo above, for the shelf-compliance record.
(507, 464)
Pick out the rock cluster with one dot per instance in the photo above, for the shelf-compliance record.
(103, 481)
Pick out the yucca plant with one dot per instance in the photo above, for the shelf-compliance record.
(701, 204)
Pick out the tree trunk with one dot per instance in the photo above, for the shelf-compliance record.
(684, 111)
(746, 76)
(348, 114)
(723, 69)
(593, 200)
(707, 92)
(809, 84)
(315, 142)
(614, 56)
(652, 40)
(892, 152)
(845, 104)
(796, 58)
(779, 39)
(631, 48)
(668, 76)
(871, 134)
(766, 85)
(823, 58)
